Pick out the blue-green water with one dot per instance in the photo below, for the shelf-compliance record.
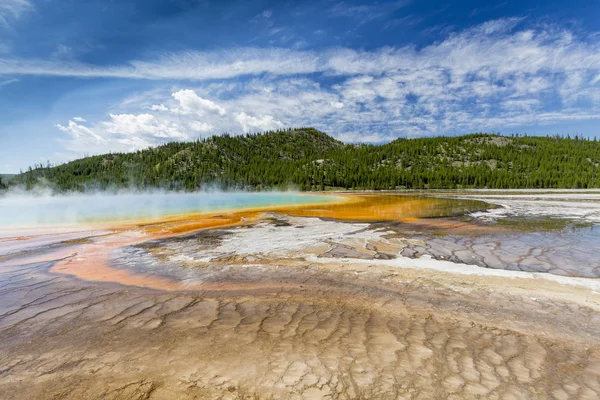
(23, 211)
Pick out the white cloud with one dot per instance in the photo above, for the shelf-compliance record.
(83, 140)
(366, 12)
(159, 107)
(183, 116)
(262, 123)
(145, 125)
(522, 104)
(262, 17)
(361, 137)
(130, 124)
(191, 103)
(202, 127)
(79, 131)
(491, 77)
(122, 132)
(494, 48)
(8, 82)
(186, 65)
(12, 9)
(63, 51)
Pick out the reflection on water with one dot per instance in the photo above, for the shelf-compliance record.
(20, 211)
(23, 211)
(558, 250)
(393, 208)
(518, 242)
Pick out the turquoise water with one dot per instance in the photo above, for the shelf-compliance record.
(23, 211)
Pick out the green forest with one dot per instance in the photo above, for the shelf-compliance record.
(307, 159)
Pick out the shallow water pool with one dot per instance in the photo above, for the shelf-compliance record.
(22, 211)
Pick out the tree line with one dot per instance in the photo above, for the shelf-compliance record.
(307, 159)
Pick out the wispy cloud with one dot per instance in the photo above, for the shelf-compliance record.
(406, 21)
(186, 65)
(262, 17)
(8, 82)
(364, 13)
(494, 47)
(491, 77)
(12, 9)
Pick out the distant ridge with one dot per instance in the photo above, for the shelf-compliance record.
(308, 159)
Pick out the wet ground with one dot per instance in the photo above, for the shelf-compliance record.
(283, 306)
(567, 250)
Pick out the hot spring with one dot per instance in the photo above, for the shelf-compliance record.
(27, 210)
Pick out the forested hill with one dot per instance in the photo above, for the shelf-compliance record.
(311, 160)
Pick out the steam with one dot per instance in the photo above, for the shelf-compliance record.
(42, 207)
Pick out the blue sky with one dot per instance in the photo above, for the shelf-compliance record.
(82, 77)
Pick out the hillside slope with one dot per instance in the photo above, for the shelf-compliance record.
(311, 160)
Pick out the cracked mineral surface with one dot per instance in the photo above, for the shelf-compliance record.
(291, 305)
